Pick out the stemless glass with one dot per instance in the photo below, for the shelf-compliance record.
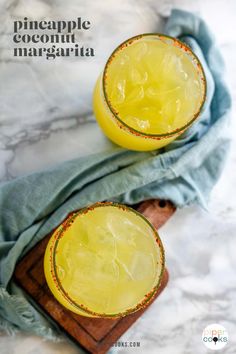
(151, 90)
(106, 261)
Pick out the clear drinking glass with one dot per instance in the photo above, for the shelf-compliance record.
(106, 260)
(151, 90)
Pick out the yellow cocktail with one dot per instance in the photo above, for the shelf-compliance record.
(151, 90)
(104, 261)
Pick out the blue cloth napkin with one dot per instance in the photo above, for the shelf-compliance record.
(183, 172)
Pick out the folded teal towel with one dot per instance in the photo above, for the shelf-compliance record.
(183, 172)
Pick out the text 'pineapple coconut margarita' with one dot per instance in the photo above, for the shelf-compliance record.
(104, 261)
(152, 88)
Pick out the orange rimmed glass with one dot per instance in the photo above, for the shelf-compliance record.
(106, 260)
(152, 89)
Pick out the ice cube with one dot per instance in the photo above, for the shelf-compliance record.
(138, 77)
(118, 91)
(110, 271)
(149, 113)
(169, 109)
(124, 59)
(142, 265)
(137, 123)
(103, 242)
(136, 95)
(141, 49)
(152, 92)
(169, 62)
(124, 268)
(118, 225)
(121, 90)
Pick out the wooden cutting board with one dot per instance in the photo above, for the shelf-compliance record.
(95, 335)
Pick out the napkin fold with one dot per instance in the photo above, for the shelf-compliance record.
(184, 172)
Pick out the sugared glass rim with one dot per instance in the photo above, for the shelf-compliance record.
(177, 43)
(58, 233)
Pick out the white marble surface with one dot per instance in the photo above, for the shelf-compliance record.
(44, 107)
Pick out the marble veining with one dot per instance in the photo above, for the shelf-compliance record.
(46, 118)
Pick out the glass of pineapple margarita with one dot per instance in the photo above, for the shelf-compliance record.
(151, 90)
(104, 261)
